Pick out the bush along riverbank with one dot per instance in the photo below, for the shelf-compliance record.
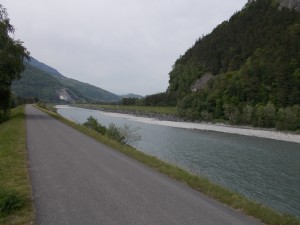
(201, 184)
(15, 191)
(125, 135)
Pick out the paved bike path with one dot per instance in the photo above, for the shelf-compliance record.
(79, 181)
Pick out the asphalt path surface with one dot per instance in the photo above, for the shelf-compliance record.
(79, 181)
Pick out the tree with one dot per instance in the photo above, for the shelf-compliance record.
(247, 114)
(269, 115)
(12, 55)
(231, 113)
(287, 119)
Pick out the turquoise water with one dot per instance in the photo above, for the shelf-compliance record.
(264, 170)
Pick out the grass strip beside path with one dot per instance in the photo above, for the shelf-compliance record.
(234, 200)
(15, 190)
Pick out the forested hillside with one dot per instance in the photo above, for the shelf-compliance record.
(42, 66)
(87, 92)
(44, 82)
(247, 71)
(36, 83)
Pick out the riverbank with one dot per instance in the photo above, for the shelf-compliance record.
(160, 113)
(173, 121)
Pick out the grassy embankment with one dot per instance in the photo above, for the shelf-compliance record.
(234, 200)
(141, 109)
(15, 191)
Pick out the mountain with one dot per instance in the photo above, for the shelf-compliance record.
(130, 95)
(36, 83)
(246, 71)
(46, 83)
(49, 70)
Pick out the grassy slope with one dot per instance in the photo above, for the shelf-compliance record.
(142, 109)
(234, 200)
(13, 169)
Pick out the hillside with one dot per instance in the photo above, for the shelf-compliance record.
(39, 65)
(87, 92)
(247, 70)
(36, 83)
(46, 83)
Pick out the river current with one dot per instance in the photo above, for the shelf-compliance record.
(264, 170)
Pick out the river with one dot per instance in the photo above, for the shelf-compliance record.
(264, 170)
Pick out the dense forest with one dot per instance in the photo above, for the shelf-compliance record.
(251, 66)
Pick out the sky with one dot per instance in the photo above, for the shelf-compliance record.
(123, 46)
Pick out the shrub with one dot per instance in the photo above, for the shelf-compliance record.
(125, 135)
(129, 135)
(93, 124)
(10, 202)
(114, 133)
(4, 115)
(42, 105)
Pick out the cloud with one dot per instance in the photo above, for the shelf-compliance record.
(119, 45)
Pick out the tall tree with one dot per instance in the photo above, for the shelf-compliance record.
(12, 54)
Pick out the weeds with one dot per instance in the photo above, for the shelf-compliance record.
(10, 201)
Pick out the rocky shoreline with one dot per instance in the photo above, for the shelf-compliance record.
(154, 115)
(174, 121)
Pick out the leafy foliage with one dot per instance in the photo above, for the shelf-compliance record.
(114, 133)
(93, 124)
(124, 135)
(254, 58)
(12, 54)
(128, 134)
(160, 99)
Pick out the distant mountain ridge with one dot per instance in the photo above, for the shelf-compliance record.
(46, 83)
(43, 67)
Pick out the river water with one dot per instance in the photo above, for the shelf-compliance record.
(264, 170)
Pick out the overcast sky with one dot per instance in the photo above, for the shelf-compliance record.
(123, 46)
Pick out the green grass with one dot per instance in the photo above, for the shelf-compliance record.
(230, 198)
(142, 109)
(15, 191)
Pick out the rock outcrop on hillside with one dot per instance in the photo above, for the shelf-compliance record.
(291, 4)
